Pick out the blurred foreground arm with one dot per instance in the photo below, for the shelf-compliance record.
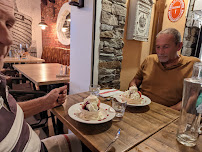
(54, 98)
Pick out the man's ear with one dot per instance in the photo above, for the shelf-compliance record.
(180, 46)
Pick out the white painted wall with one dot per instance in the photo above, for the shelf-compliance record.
(81, 47)
(33, 9)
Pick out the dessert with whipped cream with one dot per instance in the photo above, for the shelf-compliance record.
(91, 103)
(91, 110)
(132, 96)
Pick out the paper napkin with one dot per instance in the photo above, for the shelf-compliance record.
(109, 92)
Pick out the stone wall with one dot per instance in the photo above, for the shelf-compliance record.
(191, 31)
(112, 23)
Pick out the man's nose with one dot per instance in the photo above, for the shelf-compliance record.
(5, 35)
(161, 50)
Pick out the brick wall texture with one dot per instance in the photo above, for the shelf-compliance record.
(50, 13)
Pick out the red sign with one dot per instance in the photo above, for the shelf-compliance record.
(176, 10)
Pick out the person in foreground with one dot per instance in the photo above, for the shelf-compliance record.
(161, 75)
(15, 134)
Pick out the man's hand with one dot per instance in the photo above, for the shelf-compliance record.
(135, 82)
(56, 97)
(177, 106)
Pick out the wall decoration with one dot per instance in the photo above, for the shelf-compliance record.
(22, 29)
(63, 37)
(176, 10)
(139, 19)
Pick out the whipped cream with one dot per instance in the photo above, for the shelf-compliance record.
(90, 109)
(101, 114)
(132, 96)
(91, 103)
(133, 89)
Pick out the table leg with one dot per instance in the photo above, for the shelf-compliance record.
(54, 124)
(60, 127)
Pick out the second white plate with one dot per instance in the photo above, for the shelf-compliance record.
(146, 101)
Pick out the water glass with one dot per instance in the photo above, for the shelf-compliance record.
(197, 70)
(119, 106)
(190, 117)
(94, 89)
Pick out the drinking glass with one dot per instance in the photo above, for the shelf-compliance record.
(94, 89)
(190, 117)
(119, 106)
(17, 52)
(197, 70)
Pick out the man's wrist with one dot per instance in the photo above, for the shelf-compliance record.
(44, 104)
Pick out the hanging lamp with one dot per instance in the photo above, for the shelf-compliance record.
(43, 24)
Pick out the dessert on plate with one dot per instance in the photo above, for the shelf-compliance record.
(90, 109)
(132, 96)
(91, 103)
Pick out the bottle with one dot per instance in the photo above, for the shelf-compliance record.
(66, 70)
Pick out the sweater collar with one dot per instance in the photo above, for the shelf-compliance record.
(179, 63)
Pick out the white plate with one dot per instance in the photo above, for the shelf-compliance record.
(74, 108)
(146, 101)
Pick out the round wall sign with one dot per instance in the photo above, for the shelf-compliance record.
(176, 10)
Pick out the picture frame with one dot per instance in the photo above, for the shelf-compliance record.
(139, 20)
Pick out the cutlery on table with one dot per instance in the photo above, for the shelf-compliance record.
(115, 138)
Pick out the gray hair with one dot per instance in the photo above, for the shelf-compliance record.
(176, 34)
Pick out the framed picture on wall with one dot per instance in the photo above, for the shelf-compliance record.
(139, 20)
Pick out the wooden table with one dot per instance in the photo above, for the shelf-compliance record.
(138, 124)
(42, 73)
(165, 140)
(29, 59)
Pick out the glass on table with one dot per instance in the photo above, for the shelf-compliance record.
(94, 89)
(16, 54)
(119, 106)
(197, 70)
(190, 117)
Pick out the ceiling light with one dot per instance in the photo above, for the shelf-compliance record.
(42, 24)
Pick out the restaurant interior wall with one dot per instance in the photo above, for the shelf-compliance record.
(50, 14)
(180, 24)
(134, 52)
(82, 27)
(32, 9)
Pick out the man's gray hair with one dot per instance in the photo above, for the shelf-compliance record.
(176, 34)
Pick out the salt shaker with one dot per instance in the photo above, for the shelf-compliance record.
(66, 69)
(61, 70)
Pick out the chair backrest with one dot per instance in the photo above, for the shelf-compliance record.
(56, 55)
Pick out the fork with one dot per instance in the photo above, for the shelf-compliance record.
(115, 138)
